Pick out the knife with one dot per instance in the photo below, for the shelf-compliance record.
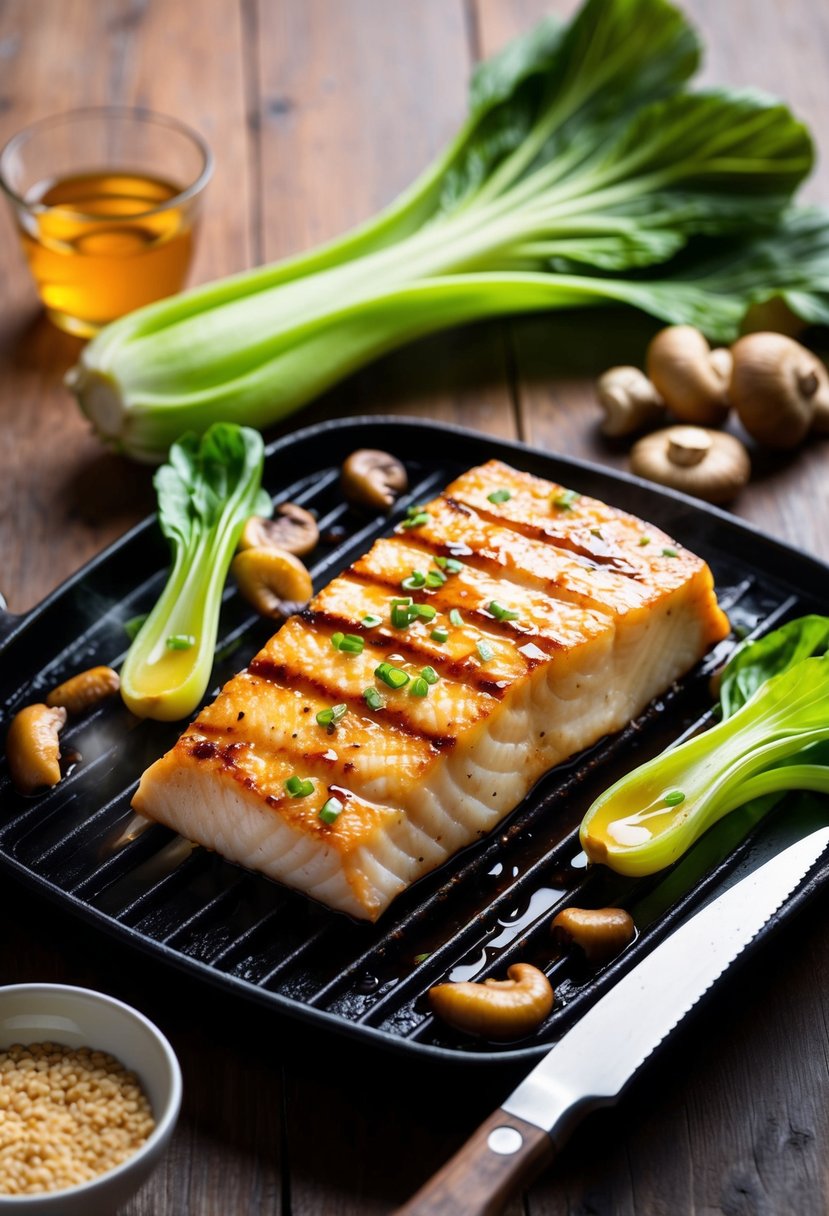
(593, 1062)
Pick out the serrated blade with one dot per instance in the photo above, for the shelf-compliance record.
(594, 1061)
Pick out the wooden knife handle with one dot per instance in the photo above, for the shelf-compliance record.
(504, 1153)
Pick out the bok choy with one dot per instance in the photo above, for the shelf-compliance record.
(584, 173)
(773, 738)
(205, 493)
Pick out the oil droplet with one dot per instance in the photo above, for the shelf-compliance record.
(366, 984)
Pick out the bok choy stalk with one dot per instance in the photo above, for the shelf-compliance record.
(582, 162)
(205, 493)
(773, 738)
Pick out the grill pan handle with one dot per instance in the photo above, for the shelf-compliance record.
(486, 1171)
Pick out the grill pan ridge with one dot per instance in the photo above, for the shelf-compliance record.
(487, 907)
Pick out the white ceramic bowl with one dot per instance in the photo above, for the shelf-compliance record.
(79, 1017)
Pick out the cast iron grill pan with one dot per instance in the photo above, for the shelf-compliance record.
(489, 906)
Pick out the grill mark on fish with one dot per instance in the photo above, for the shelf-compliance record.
(459, 670)
(390, 716)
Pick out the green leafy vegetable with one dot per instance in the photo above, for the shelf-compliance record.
(584, 173)
(774, 737)
(205, 493)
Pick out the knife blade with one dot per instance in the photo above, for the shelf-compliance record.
(593, 1062)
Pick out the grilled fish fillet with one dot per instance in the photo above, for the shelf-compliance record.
(573, 617)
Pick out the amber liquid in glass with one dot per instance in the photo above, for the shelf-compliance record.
(100, 249)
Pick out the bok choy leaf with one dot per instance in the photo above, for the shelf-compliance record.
(774, 738)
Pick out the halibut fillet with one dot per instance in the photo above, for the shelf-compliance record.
(567, 618)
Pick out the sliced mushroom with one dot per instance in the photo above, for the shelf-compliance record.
(496, 1009)
(292, 529)
(629, 400)
(33, 747)
(371, 478)
(708, 464)
(601, 933)
(775, 385)
(276, 584)
(691, 378)
(84, 690)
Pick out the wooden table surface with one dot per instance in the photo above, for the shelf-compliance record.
(318, 112)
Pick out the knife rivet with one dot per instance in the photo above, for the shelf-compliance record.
(505, 1140)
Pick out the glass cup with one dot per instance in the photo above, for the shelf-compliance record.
(107, 202)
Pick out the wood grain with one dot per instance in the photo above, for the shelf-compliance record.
(318, 112)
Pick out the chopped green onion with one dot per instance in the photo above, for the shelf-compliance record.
(416, 509)
(564, 501)
(373, 698)
(425, 611)
(331, 810)
(415, 580)
(435, 578)
(348, 643)
(133, 625)
(416, 521)
(419, 688)
(330, 717)
(421, 958)
(449, 563)
(439, 635)
(393, 676)
(429, 675)
(501, 613)
(674, 798)
(485, 652)
(298, 788)
(669, 553)
(596, 532)
(499, 496)
(644, 540)
(370, 620)
(181, 641)
(455, 617)
(399, 616)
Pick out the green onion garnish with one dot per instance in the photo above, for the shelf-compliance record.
(416, 509)
(674, 798)
(439, 635)
(669, 553)
(393, 676)
(499, 496)
(348, 643)
(501, 613)
(455, 617)
(371, 620)
(564, 501)
(373, 699)
(298, 788)
(415, 580)
(449, 563)
(133, 625)
(416, 521)
(429, 675)
(181, 641)
(644, 540)
(399, 615)
(435, 578)
(419, 688)
(485, 652)
(421, 958)
(596, 532)
(331, 810)
(330, 717)
(425, 611)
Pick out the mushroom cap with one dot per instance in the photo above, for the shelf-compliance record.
(292, 530)
(373, 478)
(629, 400)
(692, 379)
(705, 463)
(774, 385)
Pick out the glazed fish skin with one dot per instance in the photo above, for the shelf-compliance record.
(604, 612)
